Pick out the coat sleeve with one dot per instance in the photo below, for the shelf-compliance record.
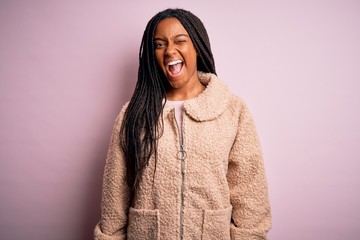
(115, 194)
(251, 216)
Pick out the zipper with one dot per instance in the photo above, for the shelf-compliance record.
(181, 155)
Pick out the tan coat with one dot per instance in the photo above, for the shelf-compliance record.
(218, 191)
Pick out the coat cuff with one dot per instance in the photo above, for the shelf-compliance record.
(247, 234)
(99, 235)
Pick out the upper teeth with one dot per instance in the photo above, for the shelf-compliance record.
(174, 62)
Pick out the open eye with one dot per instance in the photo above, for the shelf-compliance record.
(159, 44)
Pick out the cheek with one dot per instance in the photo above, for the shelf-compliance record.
(159, 59)
(192, 55)
(192, 58)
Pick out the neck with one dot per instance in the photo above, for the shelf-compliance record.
(185, 93)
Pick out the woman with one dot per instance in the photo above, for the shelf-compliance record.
(184, 160)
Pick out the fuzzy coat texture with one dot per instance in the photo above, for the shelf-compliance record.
(218, 192)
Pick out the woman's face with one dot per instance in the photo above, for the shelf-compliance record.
(175, 53)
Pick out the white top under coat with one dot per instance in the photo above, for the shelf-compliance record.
(179, 109)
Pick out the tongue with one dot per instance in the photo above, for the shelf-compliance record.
(175, 69)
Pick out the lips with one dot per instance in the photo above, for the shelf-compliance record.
(175, 67)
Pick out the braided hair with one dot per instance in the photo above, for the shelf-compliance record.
(142, 125)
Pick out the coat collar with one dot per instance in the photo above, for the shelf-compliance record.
(210, 103)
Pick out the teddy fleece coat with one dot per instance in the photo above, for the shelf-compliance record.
(215, 189)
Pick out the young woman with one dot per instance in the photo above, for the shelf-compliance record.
(184, 160)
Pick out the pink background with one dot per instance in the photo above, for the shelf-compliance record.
(67, 67)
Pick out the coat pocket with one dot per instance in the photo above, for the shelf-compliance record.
(216, 224)
(143, 224)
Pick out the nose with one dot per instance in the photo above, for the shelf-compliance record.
(170, 50)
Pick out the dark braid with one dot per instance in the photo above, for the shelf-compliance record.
(142, 125)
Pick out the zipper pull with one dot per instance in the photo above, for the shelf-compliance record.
(181, 155)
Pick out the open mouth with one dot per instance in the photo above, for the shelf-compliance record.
(174, 67)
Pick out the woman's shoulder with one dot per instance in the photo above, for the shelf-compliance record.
(234, 100)
(124, 107)
(120, 116)
(220, 94)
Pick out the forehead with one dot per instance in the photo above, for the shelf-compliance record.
(169, 27)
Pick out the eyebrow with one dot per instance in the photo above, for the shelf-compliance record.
(179, 35)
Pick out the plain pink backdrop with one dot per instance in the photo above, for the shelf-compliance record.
(67, 67)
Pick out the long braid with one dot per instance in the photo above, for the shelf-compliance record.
(200, 38)
(142, 125)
